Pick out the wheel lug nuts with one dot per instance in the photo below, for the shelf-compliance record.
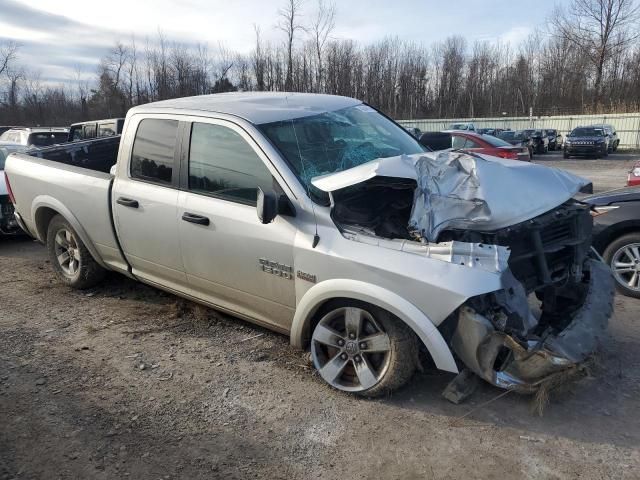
(363, 345)
(352, 336)
(357, 358)
(341, 342)
(344, 356)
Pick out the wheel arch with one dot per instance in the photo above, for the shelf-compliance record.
(45, 208)
(614, 232)
(420, 324)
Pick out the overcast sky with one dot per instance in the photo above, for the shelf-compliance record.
(59, 38)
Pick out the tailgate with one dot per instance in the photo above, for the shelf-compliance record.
(79, 194)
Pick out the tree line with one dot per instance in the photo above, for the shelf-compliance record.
(586, 59)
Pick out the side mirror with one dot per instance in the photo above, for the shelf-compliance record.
(266, 206)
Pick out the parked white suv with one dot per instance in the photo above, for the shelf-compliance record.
(34, 137)
(318, 217)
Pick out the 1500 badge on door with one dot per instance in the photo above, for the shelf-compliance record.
(275, 268)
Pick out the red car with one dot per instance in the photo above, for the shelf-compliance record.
(487, 145)
(634, 176)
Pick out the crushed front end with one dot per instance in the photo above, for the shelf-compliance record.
(554, 307)
(515, 219)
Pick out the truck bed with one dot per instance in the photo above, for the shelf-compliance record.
(71, 180)
(97, 154)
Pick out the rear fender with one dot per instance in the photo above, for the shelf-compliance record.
(375, 295)
(46, 201)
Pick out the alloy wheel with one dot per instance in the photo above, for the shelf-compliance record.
(625, 264)
(350, 350)
(67, 252)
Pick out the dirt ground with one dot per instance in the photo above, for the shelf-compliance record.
(124, 381)
(606, 174)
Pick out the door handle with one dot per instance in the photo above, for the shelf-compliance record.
(127, 202)
(193, 218)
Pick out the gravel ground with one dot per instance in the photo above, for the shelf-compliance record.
(606, 174)
(124, 381)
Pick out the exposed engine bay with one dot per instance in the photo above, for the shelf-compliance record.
(557, 295)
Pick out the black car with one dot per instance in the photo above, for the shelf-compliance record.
(586, 141)
(519, 139)
(415, 131)
(616, 236)
(539, 138)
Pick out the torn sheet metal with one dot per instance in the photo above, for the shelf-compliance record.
(472, 192)
(534, 358)
(491, 258)
(458, 190)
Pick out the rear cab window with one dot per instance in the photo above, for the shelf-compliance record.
(89, 131)
(153, 154)
(106, 129)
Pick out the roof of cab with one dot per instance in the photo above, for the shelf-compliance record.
(255, 107)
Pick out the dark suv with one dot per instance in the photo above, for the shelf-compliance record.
(586, 141)
(610, 131)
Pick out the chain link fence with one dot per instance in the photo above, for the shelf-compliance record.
(626, 124)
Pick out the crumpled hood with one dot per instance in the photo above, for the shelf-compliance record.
(459, 190)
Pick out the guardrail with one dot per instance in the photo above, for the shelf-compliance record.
(626, 124)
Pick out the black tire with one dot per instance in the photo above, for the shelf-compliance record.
(609, 254)
(402, 359)
(82, 271)
(605, 152)
(565, 154)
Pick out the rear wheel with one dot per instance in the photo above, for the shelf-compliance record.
(363, 349)
(70, 258)
(623, 256)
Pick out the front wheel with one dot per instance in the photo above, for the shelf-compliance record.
(363, 349)
(565, 154)
(70, 258)
(623, 256)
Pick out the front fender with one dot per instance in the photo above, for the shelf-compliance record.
(375, 295)
(46, 201)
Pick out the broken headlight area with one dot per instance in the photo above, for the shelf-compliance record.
(554, 306)
(500, 339)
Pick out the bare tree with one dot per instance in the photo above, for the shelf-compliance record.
(259, 62)
(323, 24)
(598, 28)
(8, 53)
(289, 24)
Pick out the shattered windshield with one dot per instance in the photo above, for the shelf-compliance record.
(339, 140)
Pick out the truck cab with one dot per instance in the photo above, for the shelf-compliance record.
(95, 129)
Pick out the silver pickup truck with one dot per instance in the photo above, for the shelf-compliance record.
(319, 217)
